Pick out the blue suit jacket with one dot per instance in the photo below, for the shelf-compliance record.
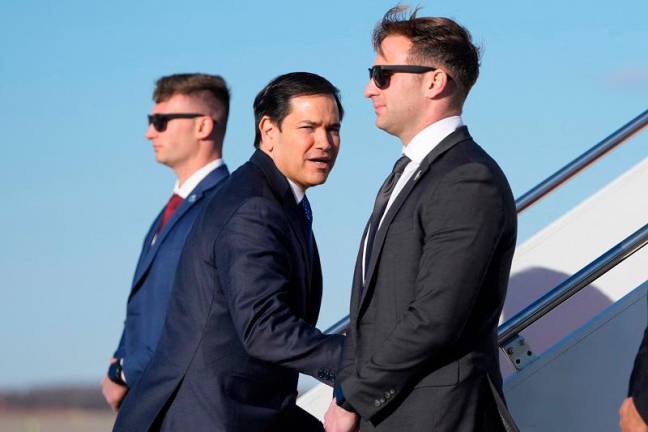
(154, 275)
(240, 324)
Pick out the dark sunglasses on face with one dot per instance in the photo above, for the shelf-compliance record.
(380, 74)
(159, 121)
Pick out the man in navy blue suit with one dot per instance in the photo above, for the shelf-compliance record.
(241, 319)
(186, 127)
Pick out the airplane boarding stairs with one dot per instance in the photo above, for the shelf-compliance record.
(588, 271)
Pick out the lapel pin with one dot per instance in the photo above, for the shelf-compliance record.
(418, 175)
(192, 198)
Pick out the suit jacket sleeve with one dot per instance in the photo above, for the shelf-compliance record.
(347, 363)
(462, 220)
(639, 379)
(257, 272)
(119, 352)
(134, 364)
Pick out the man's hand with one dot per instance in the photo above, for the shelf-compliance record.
(112, 392)
(338, 419)
(631, 420)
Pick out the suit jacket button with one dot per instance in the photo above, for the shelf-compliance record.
(376, 403)
(382, 401)
(387, 395)
(392, 392)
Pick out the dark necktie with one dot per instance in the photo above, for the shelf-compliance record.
(172, 205)
(381, 203)
(307, 213)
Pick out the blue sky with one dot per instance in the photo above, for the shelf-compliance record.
(81, 185)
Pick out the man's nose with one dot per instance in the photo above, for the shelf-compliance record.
(371, 89)
(150, 132)
(324, 140)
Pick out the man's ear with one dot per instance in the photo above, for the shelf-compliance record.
(205, 127)
(268, 131)
(436, 83)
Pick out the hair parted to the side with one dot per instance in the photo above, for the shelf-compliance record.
(210, 88)
(436, 41)
(274, 99)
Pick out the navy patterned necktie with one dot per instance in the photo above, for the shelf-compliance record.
(305, 207)
(307, 213)
(381, 203)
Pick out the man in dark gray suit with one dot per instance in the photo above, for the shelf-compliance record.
(241, 318)
(431, 274)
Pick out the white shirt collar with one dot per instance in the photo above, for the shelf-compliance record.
(297, 191)
(195, 178)
(425, 141)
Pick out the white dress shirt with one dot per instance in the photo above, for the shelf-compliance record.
(195, 178)
(297, 191)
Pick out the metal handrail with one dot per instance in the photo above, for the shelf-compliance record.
(555, 297)
(555, 180)
(581, 162)
(339, 327)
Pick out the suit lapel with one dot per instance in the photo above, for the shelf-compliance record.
(314, 298)
(284, 195)
(459, 135)
(155, 240)
(357, 276)
(297, 225)
(146, 247)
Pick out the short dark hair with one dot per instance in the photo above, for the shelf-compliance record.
(274, 100)
(209, 88)
(436, 41)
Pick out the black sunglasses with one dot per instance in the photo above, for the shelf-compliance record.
(159, 121)
(380, 74)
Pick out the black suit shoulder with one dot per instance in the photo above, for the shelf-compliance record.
(466, 172)
(471, 161)
(247, 188)
(245, 183)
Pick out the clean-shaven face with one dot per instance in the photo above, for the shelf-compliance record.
(177, 144)
(398, 108)
(306, 146)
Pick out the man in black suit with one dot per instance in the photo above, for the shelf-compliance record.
(634, 410)
(431, 274)
(240, 324)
